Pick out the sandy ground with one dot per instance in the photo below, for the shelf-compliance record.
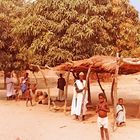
(37, 123)
(18, 122)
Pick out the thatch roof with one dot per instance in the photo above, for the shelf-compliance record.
(102, 64)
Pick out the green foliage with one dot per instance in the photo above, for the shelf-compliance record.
(9, 11)
(55, 31)
(61, 30)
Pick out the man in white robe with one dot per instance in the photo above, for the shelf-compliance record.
(80, 98)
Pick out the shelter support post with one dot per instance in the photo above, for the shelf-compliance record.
(45, 80)
(49, 98)
(98, 80)
(115, 92)
(87, 77)
(138, 114)
(35, 77)
(112, 89)
(89, 94)
(66, 92)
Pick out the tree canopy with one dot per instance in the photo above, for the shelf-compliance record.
(55, 31)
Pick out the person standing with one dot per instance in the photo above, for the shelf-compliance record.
(80, 98)
(102, 109)
(24, 83)
(120, 113)
(60, 85)
(9, 86)
(28, 95)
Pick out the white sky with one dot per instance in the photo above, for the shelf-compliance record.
(136, 4)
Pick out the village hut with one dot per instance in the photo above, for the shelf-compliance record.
(102, 64)
(97, 64)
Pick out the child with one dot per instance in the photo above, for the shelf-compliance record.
(28, 95)
(120, 113)
(102, 109)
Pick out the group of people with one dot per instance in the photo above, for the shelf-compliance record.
(25, 87)
(24, 90)
(79, 107)
(79, 100)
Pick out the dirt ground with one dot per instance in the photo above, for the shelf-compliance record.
(18, 122)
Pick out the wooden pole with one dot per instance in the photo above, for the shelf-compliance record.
(35, 77)
(89, 95)
(87, 76)
(49, 98)
(45, 80)
(98, 80)
(138, 114)
(115, 90)
(112, 89)
(66, 92)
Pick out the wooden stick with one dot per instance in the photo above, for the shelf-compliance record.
(138, 114)
(89, 93)
(35, 78)
(112, 89)
(98, 80)
(66, 92)
(87, 76)
(45, 80)
(49, 98)
(115, 91)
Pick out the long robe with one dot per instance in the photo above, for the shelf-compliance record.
(10, 87)
(79, 100)
(120, 111)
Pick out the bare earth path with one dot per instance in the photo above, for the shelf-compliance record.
(37, 123)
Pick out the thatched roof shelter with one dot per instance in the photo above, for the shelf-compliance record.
(98, 64)
(102, 64)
